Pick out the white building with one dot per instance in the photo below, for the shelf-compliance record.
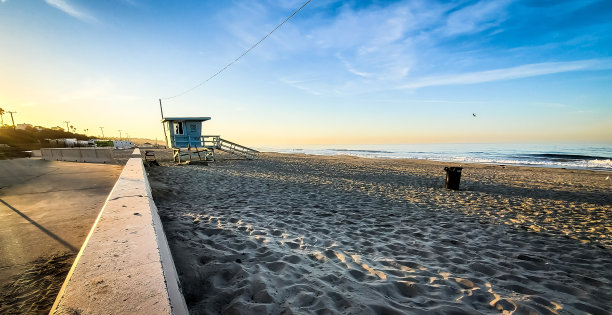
(23, 126)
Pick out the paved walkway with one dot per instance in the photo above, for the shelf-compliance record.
(46, 211)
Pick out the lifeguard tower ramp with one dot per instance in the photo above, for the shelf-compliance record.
(184, 136)
(218, 143)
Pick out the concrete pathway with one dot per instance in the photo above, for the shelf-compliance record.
(46, 211)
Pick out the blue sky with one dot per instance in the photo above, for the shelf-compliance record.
(339, 72)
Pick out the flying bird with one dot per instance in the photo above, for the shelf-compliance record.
(474, 114)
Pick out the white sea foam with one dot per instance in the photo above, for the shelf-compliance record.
(575, 156)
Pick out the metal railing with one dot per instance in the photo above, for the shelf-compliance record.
(211, 142)
(216, 142)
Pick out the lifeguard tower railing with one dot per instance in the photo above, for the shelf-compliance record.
(183, 141)
(218, 143)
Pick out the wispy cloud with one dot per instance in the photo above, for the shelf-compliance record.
(70, 10)
(352, 69)
(476, 18)
(300, 85)
(133, 3)
(376, 42)
(523, 71)
(360, 47)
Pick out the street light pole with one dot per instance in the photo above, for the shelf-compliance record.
(67, 128)
(13, 120)
(102, 129)
(119, 134)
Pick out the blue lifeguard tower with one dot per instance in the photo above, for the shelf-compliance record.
(184, 136)
(184, 132)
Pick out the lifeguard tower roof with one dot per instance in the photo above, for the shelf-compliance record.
(185, 119)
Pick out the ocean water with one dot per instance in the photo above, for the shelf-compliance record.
(573, 156)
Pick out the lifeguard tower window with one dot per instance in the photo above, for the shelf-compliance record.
(178, 127)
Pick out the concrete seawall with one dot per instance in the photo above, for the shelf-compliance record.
(90, 155)
(125, 265)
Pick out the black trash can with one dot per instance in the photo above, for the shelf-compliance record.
(453, 177)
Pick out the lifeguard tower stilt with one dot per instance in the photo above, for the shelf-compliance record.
(188, 144)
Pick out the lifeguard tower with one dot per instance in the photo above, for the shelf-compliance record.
(184, 136)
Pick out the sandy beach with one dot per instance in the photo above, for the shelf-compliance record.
(294, 234)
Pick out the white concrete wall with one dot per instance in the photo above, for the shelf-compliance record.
(125, 265)
(91, 155)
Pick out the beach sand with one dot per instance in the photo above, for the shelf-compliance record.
(293, 234)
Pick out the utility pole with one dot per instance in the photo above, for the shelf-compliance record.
(119, 134)
(161, 109)
(102, 129)
(13, 120)
(67, 128)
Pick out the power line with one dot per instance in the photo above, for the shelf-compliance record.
(243, 54)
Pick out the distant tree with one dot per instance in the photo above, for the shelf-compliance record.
(2, 116)
(71, 127)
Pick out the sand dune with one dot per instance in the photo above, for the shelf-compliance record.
(296, 234)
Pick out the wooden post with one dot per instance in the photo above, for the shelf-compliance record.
(161, 109)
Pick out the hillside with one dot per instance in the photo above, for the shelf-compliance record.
(32, 138)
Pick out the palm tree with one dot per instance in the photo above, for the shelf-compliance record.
(72, 127)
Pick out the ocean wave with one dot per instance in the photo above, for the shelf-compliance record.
(361, 151)
(573, 157)
(566, 157)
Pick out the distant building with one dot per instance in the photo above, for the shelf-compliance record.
(67, 143)
(121, 144)
(24, 126)
(57, 128)
(70, 142)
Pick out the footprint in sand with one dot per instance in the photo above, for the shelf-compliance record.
(293, 259)
(276, 266)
